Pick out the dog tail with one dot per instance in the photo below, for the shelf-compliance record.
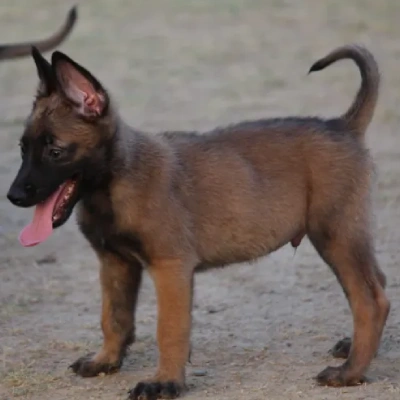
(17, 50)
(361, 111)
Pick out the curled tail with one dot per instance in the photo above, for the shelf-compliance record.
(16, 50)
(361, 111)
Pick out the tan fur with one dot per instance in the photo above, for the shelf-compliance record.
(360, 113)
(176, 203)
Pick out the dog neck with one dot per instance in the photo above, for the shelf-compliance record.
(126, 151)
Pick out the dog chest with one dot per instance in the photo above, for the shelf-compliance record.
(99, 228)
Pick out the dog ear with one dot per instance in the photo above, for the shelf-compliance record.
(79, 86)
(47, 82)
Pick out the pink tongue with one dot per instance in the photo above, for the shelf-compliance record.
(42, 225)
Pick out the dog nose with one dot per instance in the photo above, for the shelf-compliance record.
(15, 197)
(18, 196)
(21, 193)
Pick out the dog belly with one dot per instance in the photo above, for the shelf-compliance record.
(232, 246)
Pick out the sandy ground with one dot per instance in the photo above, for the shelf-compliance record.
(260, 331)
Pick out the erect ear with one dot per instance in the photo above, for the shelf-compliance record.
(79, 86)
(47, 82)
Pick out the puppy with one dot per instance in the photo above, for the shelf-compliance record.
(177, 203)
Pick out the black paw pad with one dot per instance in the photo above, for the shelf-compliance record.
(155, 390)
(86, 367)
(341, 349)
(336, 377)
(330, 376)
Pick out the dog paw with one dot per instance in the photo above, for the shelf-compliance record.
(341, 349)
(87, 366)
(154, 390)
(336, 377)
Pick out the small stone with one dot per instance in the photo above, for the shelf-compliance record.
(49, 259)
(199, 372)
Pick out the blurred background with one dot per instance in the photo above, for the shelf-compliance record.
(260, 331)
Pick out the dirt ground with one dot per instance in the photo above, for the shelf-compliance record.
(262, 330)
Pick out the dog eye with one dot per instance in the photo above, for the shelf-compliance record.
(55, 153)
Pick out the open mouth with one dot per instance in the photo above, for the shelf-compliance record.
(64, 194)
(51, 213)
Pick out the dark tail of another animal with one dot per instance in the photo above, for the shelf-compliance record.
(17, 50)
(360, 113)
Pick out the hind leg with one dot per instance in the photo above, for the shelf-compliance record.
(352, 260)
(342, 348)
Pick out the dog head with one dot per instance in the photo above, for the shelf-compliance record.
(66, 133)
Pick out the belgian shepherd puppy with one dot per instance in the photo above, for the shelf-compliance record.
(18, 50)
(177, 203)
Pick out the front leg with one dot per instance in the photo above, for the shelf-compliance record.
(174, 287)
(120, 283)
